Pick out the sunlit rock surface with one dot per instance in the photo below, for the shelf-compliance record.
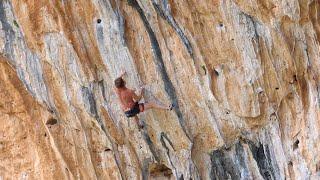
(244, 76)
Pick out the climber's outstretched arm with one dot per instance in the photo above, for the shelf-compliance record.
(123, 72)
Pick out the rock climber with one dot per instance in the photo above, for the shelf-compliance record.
(129, 100)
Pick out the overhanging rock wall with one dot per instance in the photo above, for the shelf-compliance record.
(244, 76)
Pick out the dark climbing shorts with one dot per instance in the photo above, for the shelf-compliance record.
(138, 108)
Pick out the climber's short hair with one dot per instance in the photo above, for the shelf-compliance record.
(119, 83)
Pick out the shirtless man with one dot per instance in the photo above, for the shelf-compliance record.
(129, 100)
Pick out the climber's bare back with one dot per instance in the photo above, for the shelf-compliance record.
(126, 97)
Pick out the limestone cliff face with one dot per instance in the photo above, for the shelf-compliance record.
(244, 76)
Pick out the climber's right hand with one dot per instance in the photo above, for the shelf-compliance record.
(123, 72)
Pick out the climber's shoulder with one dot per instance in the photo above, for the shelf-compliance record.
(126, 91)
(118, 91)
(131, 91)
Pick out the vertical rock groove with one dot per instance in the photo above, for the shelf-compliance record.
(169, 88)
(165, 14)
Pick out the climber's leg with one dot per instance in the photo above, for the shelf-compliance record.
(154, 105)
(140, 126)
